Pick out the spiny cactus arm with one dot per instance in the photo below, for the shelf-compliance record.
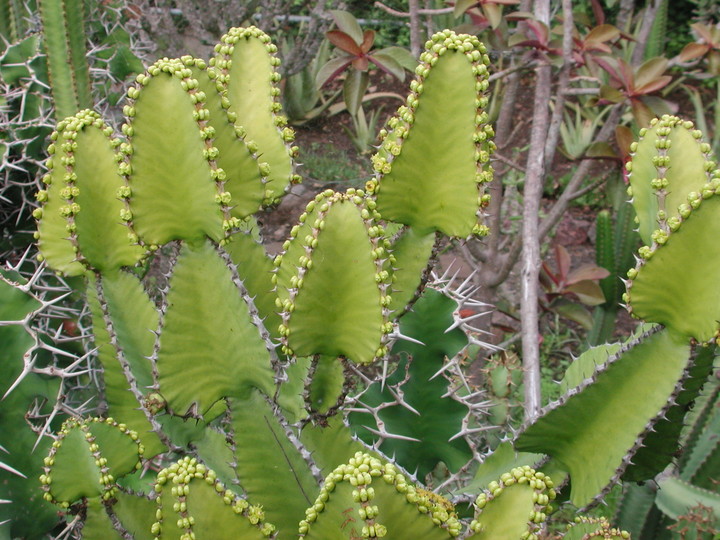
(702, 465)
(211, 343)
(255, 268)
(64, 32)
(514, 506)
(610, 413)
(273, 468)
(247, 65)
(636, 511)
(86, 458)
(328, 385)
(662, 443)
(97, 524)
(414, 403)
(25, 512)
(430, 178)
(331, 443)
(176, 188)
(664, 288)
(79, 224)
(331, 282)
(126, 515)
(123, 321)
(193, 503)
(245, 178)
(411, 259)
(585, 528)
(369, 499)
(697, 419)
(584, 366)
(668, 162)
(676, 498)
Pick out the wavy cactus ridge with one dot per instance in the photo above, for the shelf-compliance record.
(669, 161)
(411, 258)
(514, 506)
(214, 326)
(192, 503)
(102, 448)
(175, 187)
(124, 357)
(255, 102)
(610, 424)
(81, 198)
(244, 176)
(431, 181)
(659, 287)
(367, 498)
(337, 301)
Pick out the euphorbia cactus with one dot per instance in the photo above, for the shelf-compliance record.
(250, 399)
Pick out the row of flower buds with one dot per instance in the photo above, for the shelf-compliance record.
(179, 478)
(67, 459)
(361, 471)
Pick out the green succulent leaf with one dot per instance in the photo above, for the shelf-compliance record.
(210, 345)
(173, 191)
(595, 429)
(429, 180)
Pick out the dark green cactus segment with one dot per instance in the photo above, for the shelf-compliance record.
(272, 471)
(247, 65)
(514, 506)
(193, 503)
(244, 177)
(83, 176)
(97, 523)
(410, 261)
(255, 268)
(424, 413)
(595, 429)
(669, 161)
(587, 528)
(701, 460)
(665, 289)
(336, 302)
(176, 186)
(661, 444)
(427, 178)
(87, 457)
(367, 498)
(123, 323)
(210, 344)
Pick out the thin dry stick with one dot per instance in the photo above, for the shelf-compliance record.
(530, 257)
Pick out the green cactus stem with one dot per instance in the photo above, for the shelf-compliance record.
(669, 161)
(332, 285)
(193, 503)
(211, 343)
(176, 188)
(664, 288)
(78, 225)
(367, 498)
(421, 424)
(86, 458)
(428, 179)
(514, 506)
(247, 65)
(606, 417)
(64, 32)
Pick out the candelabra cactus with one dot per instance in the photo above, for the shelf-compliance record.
(240, 362)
